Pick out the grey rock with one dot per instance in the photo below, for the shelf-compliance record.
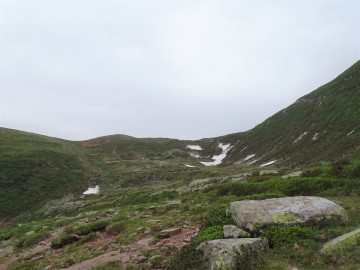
(29, 233)
(265, 172)
(228, 253)
(342, 242)
(254, 215)
(231, 231)
(169, 232)
(292, 174)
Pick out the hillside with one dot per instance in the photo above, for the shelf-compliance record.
(35, 168)
(160, 198)
(321, 126)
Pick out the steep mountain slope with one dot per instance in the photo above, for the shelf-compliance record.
(35, 168)
(323, 125)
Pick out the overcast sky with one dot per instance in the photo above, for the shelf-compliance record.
(180, 69)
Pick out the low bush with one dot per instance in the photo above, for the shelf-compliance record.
(116, 227)
(217, 217)
(63, 240)
(186, 259)
(209, 233)
(278, 235)
(91, 227)
(30, 240)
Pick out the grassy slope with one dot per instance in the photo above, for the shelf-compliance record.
(332, 111)
(36, 168)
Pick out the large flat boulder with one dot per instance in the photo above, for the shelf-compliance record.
(232, 253)
(254, 215)
(343, 242)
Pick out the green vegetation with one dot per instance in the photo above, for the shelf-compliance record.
(42, 180)
(209, 233)
(278, 235)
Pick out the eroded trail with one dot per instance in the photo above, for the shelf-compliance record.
(132, 254)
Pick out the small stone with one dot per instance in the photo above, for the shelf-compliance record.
(48, 267)
(169, 232)
(140, 259)
(29, 233)
(148, 231)
(231, 231)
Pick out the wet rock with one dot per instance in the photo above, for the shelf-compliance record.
(168, 232)
(231, 231)
(254, 215)
(228, 253)
(342, 242)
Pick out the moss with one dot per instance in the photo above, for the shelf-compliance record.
(342, 245)
(284, 218)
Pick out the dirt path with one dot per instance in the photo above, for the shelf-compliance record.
(132, 255)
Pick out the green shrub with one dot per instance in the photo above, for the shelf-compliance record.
(107, 266)
(312, 173)
(63, 240)
(209, 233)
(278, 235)
(116, 227)
(217, 217)
(79, 233)
(188, 258)
(30, 240)
(91, 227)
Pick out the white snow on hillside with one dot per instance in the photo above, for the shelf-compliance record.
(189, 166)
(252, 162)
(249, 157)
(316, 136)
(300, 137)
(351, 132)
(194, 147)
(194, 154)
(92, 190)
(217, 159)
(268, 163)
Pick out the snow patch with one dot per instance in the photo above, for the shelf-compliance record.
(316, 136)
(351, 132)
(300, 137)
(194, 154)
(189, 166)
(194, 147)
(268, 163)
(252, 162)
(92, 190)
(217, 159)
(249, 157)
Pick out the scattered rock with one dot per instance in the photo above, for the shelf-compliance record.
(168, 232)
(231, 231)
(255, 215)
(292, 174)
(265, 172)
(140, 259)
(29, 233)
(342, 242)
(155, 261)
(228, 253)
